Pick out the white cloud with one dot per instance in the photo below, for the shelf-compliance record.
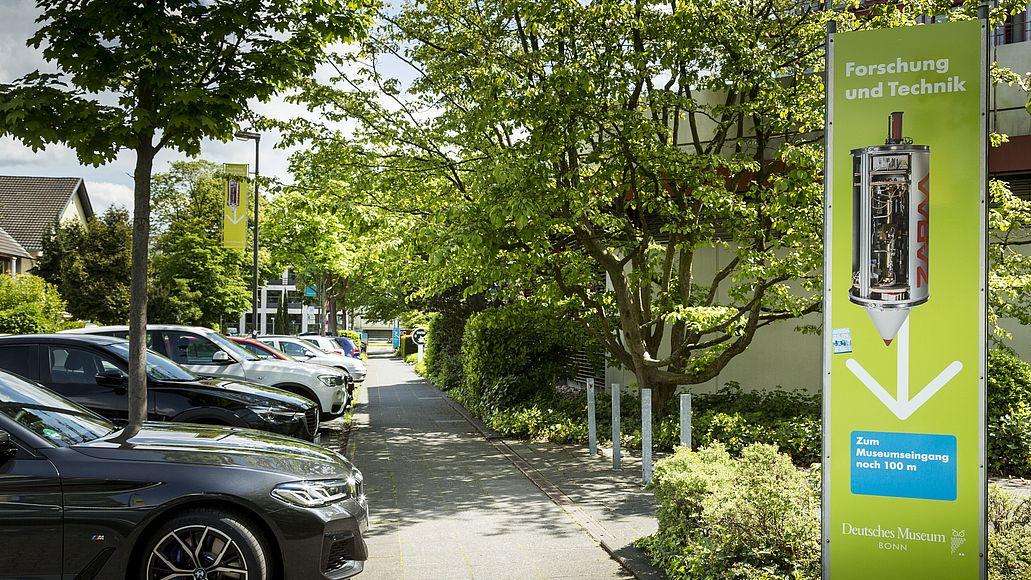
(104, 194)
(13, 153)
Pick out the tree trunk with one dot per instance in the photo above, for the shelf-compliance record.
(138, 284)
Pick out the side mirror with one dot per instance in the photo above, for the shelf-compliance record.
(221, 358)
(112, 378)
(7, 448)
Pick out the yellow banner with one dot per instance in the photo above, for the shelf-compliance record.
(234, 207)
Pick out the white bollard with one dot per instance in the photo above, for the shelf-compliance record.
(685, 420)
(592, 420)
(616, 459)
(646, 435)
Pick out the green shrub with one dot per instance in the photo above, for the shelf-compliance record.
(1009, 414)
(407, 347)
(29, 304)
(352, 334)
(444, 349)
(721, 517)
(513, 356)
(1009, 532)
(789, 419)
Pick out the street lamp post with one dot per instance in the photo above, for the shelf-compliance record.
(256, 137)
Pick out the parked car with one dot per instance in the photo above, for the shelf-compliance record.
(260, 349)
(91, 371)
(304, 351)
(91, 500)
(325, 343)
(206, 352)
(350, 348)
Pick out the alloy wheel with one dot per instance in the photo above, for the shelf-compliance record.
(196, 552)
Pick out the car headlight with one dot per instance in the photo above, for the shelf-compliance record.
(318, 493)
(277, 414)
(332, 380)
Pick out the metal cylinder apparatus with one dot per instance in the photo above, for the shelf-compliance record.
(890, 228)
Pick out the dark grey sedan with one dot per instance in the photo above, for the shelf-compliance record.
(81, 498)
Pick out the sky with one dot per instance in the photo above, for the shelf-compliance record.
(110, 184)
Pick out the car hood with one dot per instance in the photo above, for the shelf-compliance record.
(350, 363)
(279, 366)
(224, 446)
(249, 393)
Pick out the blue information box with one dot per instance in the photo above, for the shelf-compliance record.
(914, 465)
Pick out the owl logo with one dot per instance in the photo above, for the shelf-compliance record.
(959, 537)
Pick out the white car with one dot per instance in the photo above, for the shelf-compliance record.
(325, 343)
(304, 351)
(206, 352)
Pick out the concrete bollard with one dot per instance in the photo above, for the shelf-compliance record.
(617, 460)
(592, 420)
(646, 435)
(685, 420)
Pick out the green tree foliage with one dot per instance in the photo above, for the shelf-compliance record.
(543, 148)
(194, 280)
(28, 305)
(90, 263)
(355, 257)
(145, 76)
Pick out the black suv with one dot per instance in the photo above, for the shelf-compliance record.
(91, 370)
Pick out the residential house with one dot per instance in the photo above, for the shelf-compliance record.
(31, 206)
(11, 255)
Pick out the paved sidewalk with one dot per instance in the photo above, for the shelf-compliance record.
(447, 503)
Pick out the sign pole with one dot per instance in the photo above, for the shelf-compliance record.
(592, 420)
(617, 459)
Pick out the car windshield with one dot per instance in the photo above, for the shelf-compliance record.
(311, 346)
(158, 367)
(268, 350)
(47, 414)
(229, 346)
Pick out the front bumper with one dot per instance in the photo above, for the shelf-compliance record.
(326, 543)
(306, 427)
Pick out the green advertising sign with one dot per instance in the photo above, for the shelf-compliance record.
(904, 310)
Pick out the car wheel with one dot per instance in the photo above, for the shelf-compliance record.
(210, 544)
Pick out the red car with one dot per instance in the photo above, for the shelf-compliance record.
(260, 349)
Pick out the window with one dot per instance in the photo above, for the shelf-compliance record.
(294, 349)
(20, 359)
(189, 349)
(256, 350)
(71, 365)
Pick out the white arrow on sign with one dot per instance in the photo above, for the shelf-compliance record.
(235, 219)
(902, 405)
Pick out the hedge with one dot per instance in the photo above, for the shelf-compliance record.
(1009, 415)
(352, 334)
(775, 511)
(514, 356)
(443, 356)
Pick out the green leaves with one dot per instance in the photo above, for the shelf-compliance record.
(90, 264)
(193, 279)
